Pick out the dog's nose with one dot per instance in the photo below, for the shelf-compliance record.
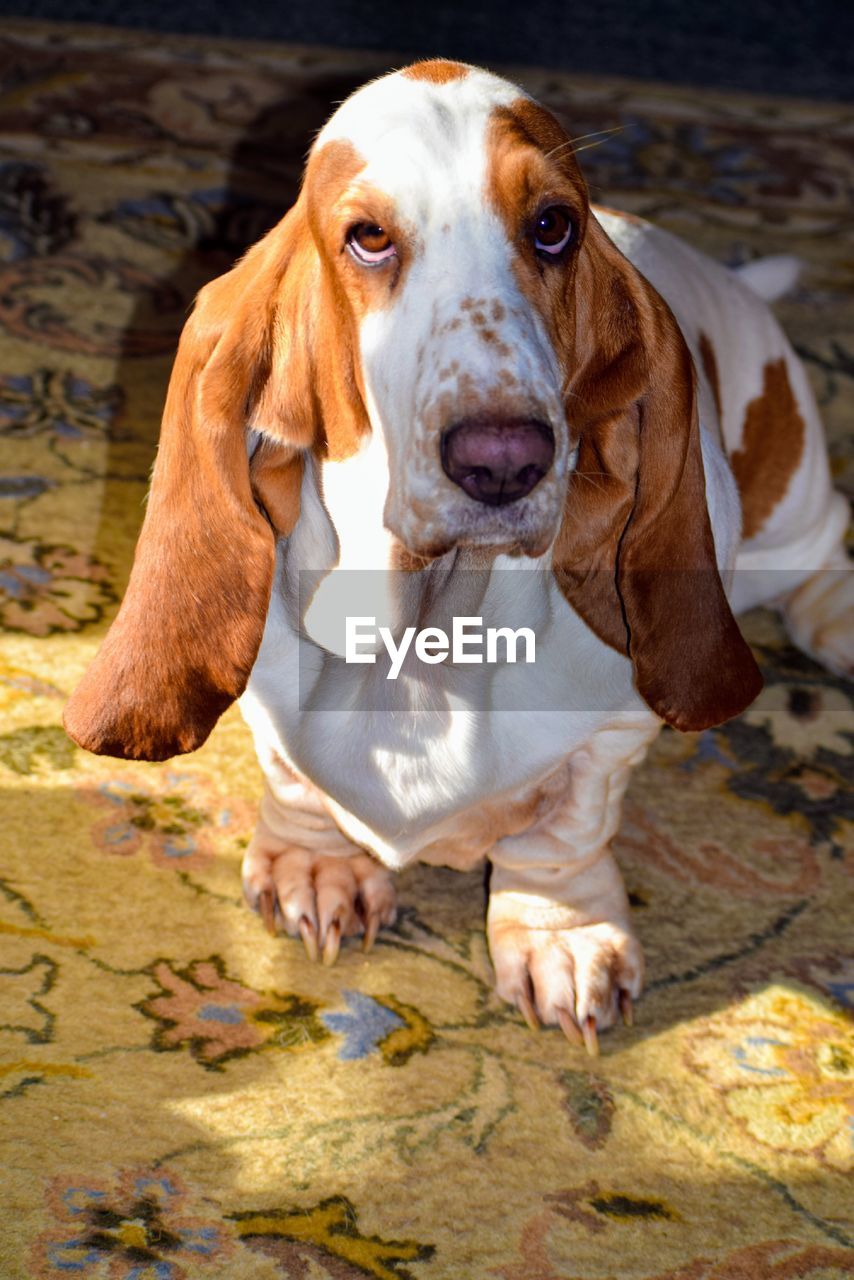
(497, 461)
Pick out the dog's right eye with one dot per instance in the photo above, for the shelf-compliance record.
(370, 243)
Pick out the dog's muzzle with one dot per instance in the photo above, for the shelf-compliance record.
(497, 461)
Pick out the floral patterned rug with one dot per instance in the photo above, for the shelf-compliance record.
(183, 1096)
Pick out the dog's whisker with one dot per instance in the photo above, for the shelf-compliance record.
(599, 143)
(601, 134)
(584, 475)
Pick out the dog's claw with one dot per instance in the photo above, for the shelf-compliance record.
(527, 1010)
(624, 1000)
(332, 945)
(591, 1040)
(308, 934)
(321, 899)
(267, 910)
(569, 1027)
(372, 928)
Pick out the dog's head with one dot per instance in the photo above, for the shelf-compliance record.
(441, 286)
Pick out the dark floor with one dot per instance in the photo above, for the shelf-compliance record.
(792, 47)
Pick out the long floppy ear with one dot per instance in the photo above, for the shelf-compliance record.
(183, 643)
(635, 554)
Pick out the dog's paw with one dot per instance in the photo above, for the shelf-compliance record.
(820, 616)
(580, 979)
(318, 898)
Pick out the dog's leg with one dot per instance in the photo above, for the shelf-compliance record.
(558, 920)
(302, 875)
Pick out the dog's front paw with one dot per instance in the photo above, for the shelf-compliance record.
(580, 978)
(318, 898)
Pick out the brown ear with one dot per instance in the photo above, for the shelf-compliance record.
(186, 636)
(635, 555)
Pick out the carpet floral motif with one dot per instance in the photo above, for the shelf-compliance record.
(46, 588)
(133, 1228)
(785, 1069)
(181, 1095)
(328, 1233)
(55, 402)
(172, 816)
(217, 1019)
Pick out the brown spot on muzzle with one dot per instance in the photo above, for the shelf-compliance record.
(771, 448)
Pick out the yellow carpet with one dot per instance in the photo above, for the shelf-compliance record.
(183, 1096)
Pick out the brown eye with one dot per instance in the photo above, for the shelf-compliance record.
(552, 230)
(370, 243)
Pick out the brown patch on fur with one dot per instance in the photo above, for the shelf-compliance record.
(275, 474)
(272, 345)
(771, 448)
(436, 70)
(492, 339)
(634, 555)
(336, 200)
(527, 160)
(408, 561)
(530, 164)
(710, 369)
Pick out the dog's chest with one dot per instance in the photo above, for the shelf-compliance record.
(447, 756)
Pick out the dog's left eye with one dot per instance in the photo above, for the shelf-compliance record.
(552, 230)
(370, 243)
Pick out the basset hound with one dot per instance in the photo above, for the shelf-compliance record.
(447, 379)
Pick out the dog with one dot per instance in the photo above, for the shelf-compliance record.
(445, 368)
